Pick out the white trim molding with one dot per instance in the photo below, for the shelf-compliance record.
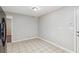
(67, 50)
(75, 29)
(23, 39)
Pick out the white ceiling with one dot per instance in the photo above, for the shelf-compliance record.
(27, 10)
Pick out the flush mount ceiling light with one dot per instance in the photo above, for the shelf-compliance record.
(35, 8)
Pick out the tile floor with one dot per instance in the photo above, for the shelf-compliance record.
(33, 46)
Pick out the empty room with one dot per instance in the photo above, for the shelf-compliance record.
(39, 29)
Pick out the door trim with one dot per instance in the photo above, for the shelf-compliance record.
(75, 29)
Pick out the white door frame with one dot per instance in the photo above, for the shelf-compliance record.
(75, 29)
(11, 18)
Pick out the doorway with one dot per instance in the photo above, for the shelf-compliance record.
(8, 36)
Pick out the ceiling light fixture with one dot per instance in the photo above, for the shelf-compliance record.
(35, 8)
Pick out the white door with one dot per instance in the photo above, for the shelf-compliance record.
(77, 28)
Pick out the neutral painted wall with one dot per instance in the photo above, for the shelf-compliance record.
(23, 27)
(58, 27)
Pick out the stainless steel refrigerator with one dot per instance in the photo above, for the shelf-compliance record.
(2, 31)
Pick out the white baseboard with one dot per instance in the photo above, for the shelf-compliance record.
(67, 50)
(23, 39)
(48, 42)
